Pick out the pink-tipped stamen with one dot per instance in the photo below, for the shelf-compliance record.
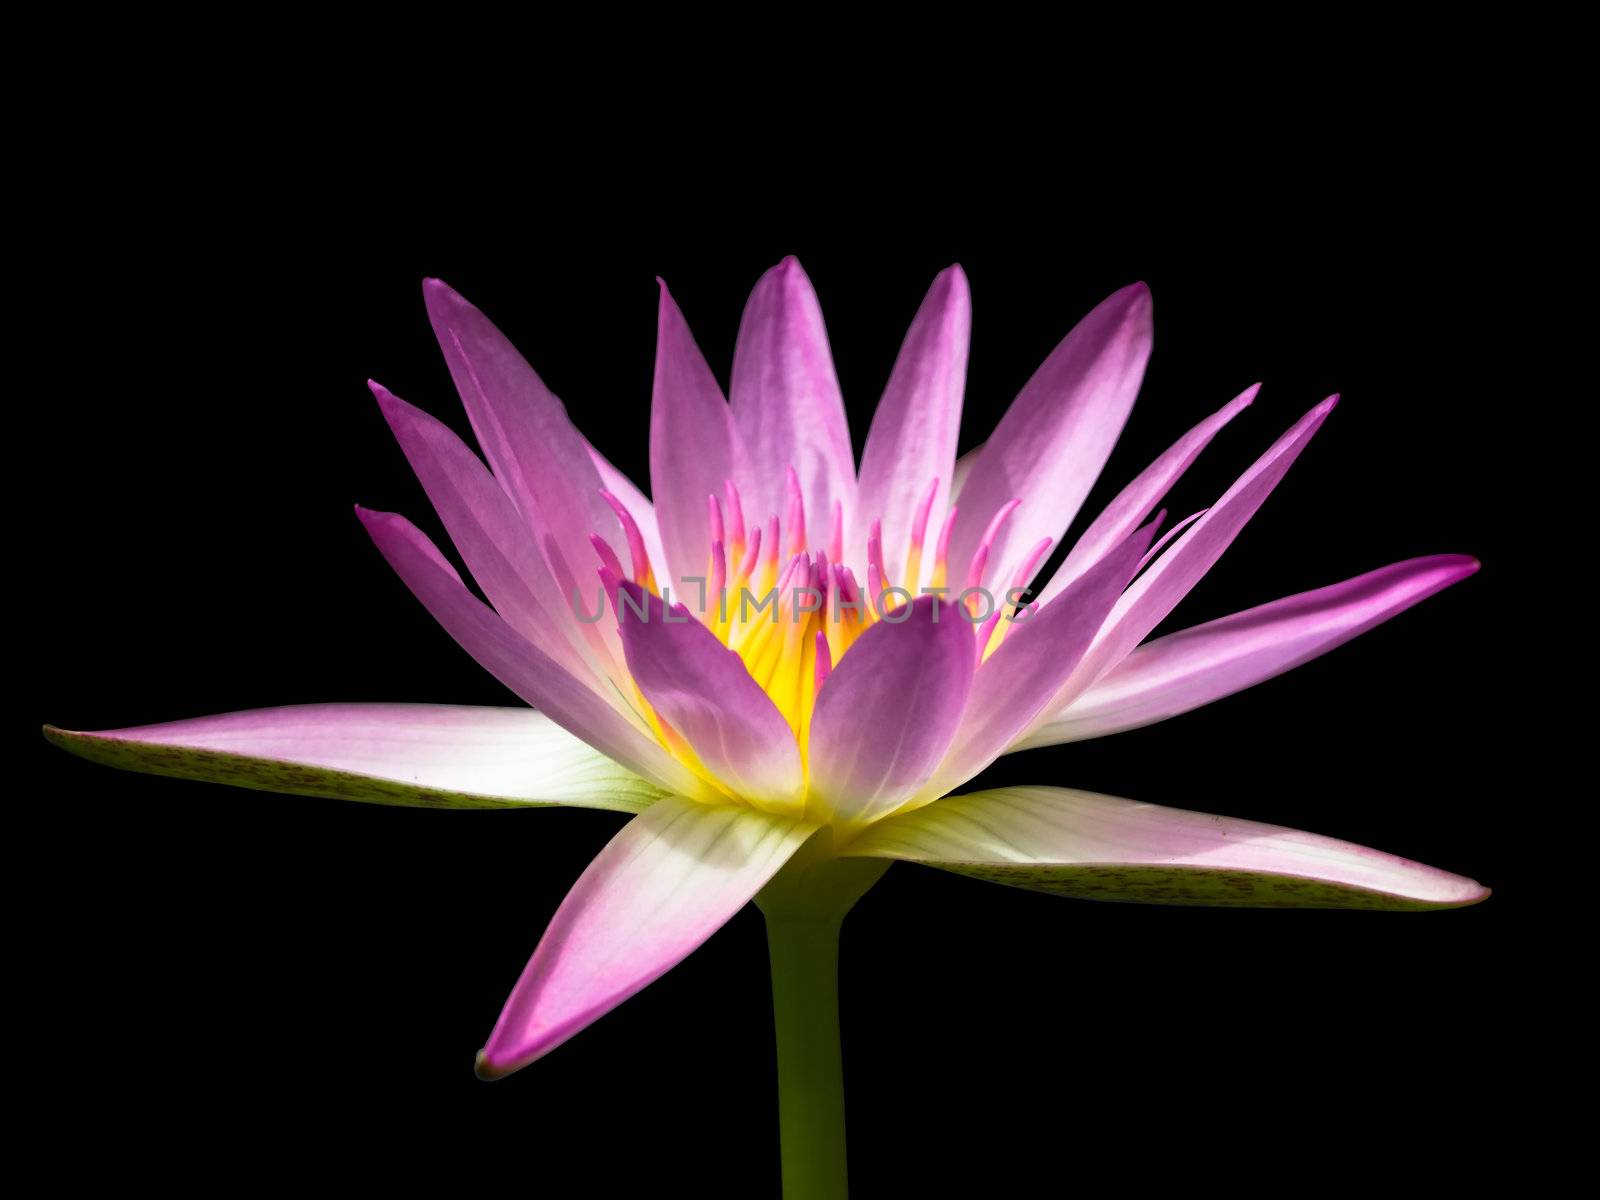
(941, 556)
(985, 635)
(974, 581)
(919, 528)
(850, 591)
(824, 666)
(1023, 575)
(795, 516)
(772, 543)
(880, 603)
(736, 530)
(714, 518)
(875, 548)
(989, 535)
(752, 555)
(993, 633)
(642, 574)
(608, 556)
(719, 575)
(612, 583)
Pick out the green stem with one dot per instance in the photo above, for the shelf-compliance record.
(805, 1003)
(805, 904)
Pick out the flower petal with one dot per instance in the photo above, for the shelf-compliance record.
(1019, 679)
(786, 402)
(424, 755)
(1185, 670)
(537, 455)
(1139, 499)
(913, 436)
(500, 548)
(638, 506)
(1102, 848)
(517, 662)
(1170, 578)
(703, 691)
(669, 880)
(694, 450)
(962, 469)
(1049, 447)
(886, 715)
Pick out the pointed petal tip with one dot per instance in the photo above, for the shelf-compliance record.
(951, 282)
(487, 1071)
(439, 298)
(1132, 304)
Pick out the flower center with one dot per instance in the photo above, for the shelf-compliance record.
(792, 612)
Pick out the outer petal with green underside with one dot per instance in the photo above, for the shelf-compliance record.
(424, 755)
(1103, 848)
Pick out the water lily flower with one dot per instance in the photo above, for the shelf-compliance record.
(783, 663)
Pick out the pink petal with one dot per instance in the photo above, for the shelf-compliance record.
(1169, 579)
(537, 455)
(1139, 499)
(694, 450)
(500, 548)
(428, 755)
(889, 710)
(785, 399)
(517, 662)
(638, 506)
(702, 690)
(1052, 442)
(1020, 679)
(669, 880)
(1102, 848)
(1184, 670)
(962, 470)
(913, 437)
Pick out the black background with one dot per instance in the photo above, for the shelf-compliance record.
(241, 978)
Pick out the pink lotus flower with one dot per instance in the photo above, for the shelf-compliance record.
(789, 752)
